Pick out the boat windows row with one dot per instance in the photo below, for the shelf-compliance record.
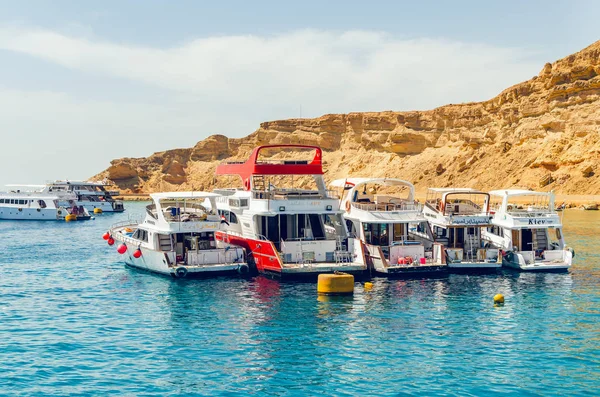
(41, 203)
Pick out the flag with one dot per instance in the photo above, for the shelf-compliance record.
(224, 220)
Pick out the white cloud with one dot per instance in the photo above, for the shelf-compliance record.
(324, 69)
(228, 84)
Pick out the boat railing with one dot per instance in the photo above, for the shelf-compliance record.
(474, 255)
(529, 212)
(306, 239)
(293, 194)
(225, 192)
(449, 209)
(383, 207)
(128, 222)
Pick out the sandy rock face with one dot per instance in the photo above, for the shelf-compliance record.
(121, 170)
(542, 132)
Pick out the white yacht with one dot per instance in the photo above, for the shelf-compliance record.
(457, 216)
(177, 238)
(383, 213)
(94, 196)
(526, 226)
(39, 206)
(285, 216)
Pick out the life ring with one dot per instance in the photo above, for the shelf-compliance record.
(348, 206)
(243, 269)
(181, 272)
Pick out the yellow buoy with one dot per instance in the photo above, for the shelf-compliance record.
(335, 284)
(97, 210)
(499, 299)
(368, 286)
(70, 217)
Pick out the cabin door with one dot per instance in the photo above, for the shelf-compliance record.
(526, 240)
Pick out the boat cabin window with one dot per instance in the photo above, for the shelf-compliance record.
(42, 203)
(497, 230)
(194, 241)
(458, 237)
(376, 233)
(290, 227)
(554, 238)
(351, 228)
(229, 216)
(141, 234)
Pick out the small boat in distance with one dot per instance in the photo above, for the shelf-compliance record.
(39, 206)
(396, 235)
(285, 216)
(177, 238)
(526, 226)
(93, 196)
(457, 216)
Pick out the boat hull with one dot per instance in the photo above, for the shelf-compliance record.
(517, 262)
(412, 271)
(103, 205)
(159, 262)
(269, 263)
(474, 267)
(36, 214)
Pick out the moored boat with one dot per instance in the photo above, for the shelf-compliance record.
(526, 226)
(285, 216)
(457, 216)
(39, 206)
(391, 225)
(93, 196)
(177, 238)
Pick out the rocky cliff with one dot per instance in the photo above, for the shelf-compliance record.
(542, 134)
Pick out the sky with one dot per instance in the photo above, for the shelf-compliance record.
(83, 83)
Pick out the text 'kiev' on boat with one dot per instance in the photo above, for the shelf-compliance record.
(383, 213)
(177, 238)
(285, 216)
(40, 206)
(526, 226)
(457, 216)
(91, 195)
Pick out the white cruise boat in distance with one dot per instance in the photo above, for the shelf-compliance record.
(396, 235)
(177, 238)
(285, 216)
(92, 195)
(457, 216)
(526, 226)
(40, 206)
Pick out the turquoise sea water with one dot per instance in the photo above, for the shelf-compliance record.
(76, 321)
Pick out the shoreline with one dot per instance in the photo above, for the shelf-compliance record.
(571, 200)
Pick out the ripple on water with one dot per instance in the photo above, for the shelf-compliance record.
(74, 319)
